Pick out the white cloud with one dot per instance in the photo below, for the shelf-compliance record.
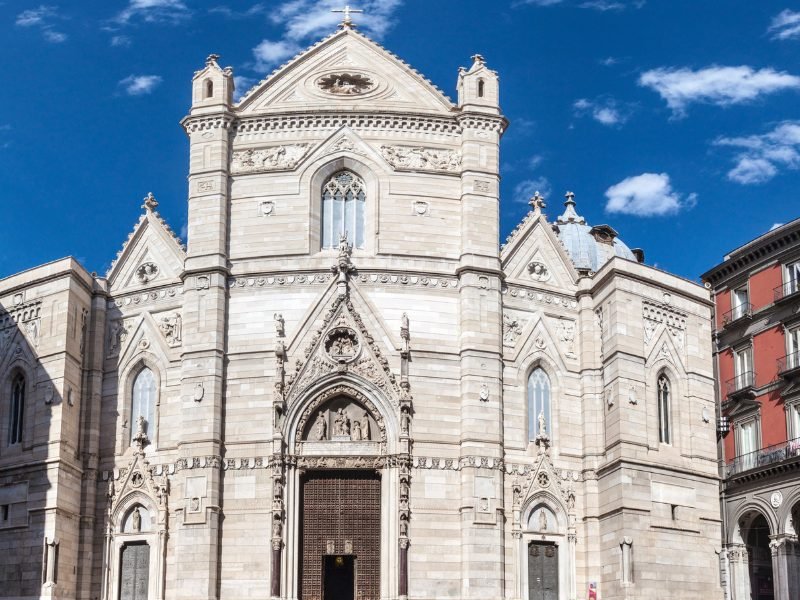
(609, 61)
(242, 85)
(305, 20)
(785, 25)
(269, 53)
(646, 195)
(760, 157)
(154, 11)
(606, 111)
(525, 189)
(722, 86)
(138, 85)
(43, 18)
(230, 13)
(120, 41)
(601, 5)
(4, 143)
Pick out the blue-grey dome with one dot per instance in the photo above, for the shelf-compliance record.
(588, 247)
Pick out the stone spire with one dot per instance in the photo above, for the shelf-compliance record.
(570, 215)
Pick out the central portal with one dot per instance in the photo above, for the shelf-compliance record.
(341, 535)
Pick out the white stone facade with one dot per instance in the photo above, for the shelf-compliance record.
(441, 332)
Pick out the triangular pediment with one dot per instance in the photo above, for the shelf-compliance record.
(342, 342)
(345, 71)
(665, 349)
(534, 339)
(150, 257)
(535, 257)
(544, 478)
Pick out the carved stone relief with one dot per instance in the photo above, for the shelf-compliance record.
(511, 329)
(345, 84)
(147, 272)
(273, 158)
(538, 271)
(566, 336)
(417, 157)
(170, 326)
(342, 344)
(341, 419)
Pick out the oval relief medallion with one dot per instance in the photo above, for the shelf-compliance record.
(345, 84)
(342, 344)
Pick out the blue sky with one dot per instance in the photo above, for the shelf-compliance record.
(675, 121)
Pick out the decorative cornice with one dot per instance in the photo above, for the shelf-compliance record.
(539, 297)
(335, 120)
(364, 277)
(192, 124)
(149, 297)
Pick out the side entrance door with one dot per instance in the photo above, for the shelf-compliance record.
(542, 571)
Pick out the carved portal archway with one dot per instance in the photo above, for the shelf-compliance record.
(343, 433)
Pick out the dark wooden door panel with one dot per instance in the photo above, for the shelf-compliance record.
(134, 571)
(341, 512)
(542, 571)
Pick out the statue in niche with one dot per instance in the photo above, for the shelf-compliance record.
(321, 428)
(542, 520)
(136, 520)
(542, 425)
(356, 435)
(341, 424)
(277, 489)
(365, 426)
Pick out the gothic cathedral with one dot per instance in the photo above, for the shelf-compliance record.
(344, 387)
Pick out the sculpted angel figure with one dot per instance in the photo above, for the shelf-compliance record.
(365, 426)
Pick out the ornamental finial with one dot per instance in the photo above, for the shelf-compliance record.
(537, 203)
(570, 196)
(478, 58)
(150, 202)
(212, 59)
(347, 21)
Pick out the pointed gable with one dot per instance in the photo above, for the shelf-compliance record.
(152, 255)
(345, 71)
(533, 255)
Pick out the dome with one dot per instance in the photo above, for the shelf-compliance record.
(590, 247)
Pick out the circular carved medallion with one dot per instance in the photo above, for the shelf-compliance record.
(345, 84)
(147, 272)
(342, 344)
(137, 479)
(543, 479)
(776, 499)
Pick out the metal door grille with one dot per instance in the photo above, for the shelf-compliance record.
(341, 514)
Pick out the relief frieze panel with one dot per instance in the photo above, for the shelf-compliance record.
(418, 158)
(273, 158)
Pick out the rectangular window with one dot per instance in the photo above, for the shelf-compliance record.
(740, 303)
(792, 282)
(747, 443)
(5, 512)
(743, 365)
(793, 348)
(793, 415)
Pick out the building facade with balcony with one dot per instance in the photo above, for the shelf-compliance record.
(757, 296)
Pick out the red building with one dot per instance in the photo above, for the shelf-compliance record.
(757, 296)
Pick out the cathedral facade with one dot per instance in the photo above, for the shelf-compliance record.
(344, 387)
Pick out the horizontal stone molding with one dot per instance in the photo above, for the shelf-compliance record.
(326, 121)
(150, 297)
(539, 297)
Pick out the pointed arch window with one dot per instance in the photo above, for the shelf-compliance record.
(17, 410)
(664, 408)
(143, 402)
(538, 402)
(343, 201)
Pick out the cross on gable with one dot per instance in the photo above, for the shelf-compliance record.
(347, 21)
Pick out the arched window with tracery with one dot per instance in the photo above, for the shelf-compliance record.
(343, 201)
(538, 402)
(664, 401)
(143, 402)
(17, 411)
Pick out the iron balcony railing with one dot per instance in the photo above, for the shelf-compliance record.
(745, 309)
(743, 381)
(789, 288)
(789, 363)
(767, 456)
